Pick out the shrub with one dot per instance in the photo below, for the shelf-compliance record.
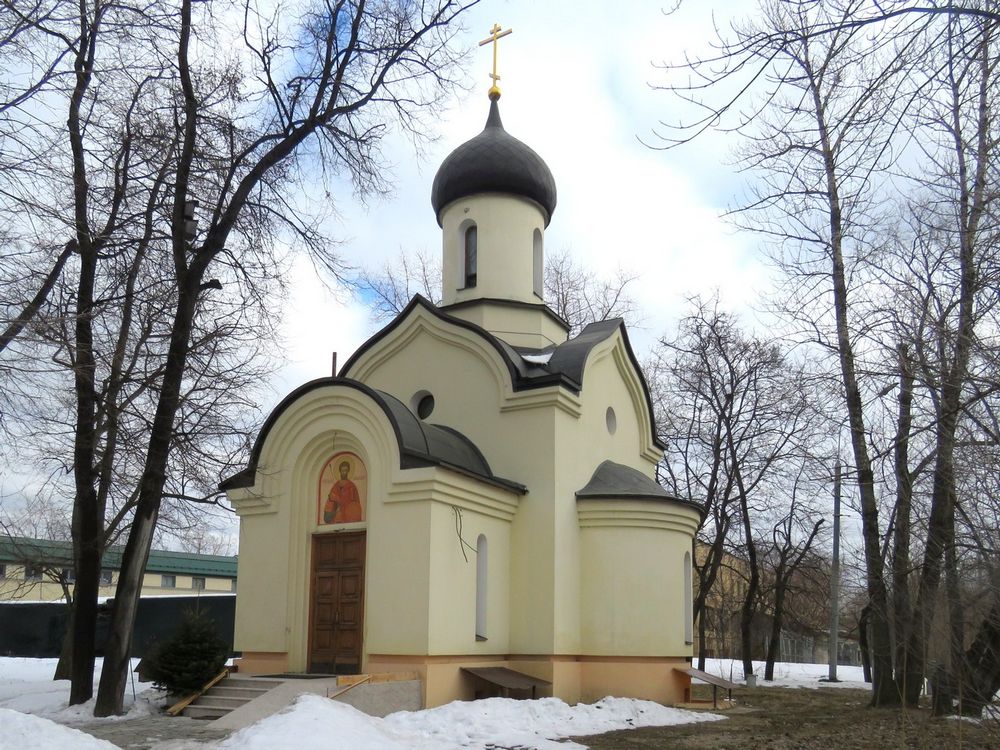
(192, 656)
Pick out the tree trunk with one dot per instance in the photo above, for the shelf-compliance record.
(866, 655)
(64, 667)
(956, 616)
(942, 510)
(774, 644)
(114, 676)
(747, 612)
(982, 662)
(88, 515)
(972, 206)
(188, 277)
(749, 607)
(884, 691)
(904, 500)
(118, 648)
(942, 693)
(708, 573)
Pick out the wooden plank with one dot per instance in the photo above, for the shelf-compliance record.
(394, 676)
(349, 687)
(350, 679)
(188, 700)
(711, 679)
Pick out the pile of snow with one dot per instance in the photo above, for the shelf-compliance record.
(314, 723)
(787, 674)
(25, 732)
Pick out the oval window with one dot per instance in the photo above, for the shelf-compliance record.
(422, 404)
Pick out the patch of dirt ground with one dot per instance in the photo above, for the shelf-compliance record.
(796, 719)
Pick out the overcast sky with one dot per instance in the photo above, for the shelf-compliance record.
(577, 82)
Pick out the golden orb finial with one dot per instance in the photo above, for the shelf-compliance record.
(495, 34)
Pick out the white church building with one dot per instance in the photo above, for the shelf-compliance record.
(473, 493)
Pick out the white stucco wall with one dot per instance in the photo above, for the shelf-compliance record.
(551, 441)
(419, 592)
(505, 232)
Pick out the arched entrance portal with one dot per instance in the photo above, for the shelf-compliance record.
(336, 614)
(338, 568)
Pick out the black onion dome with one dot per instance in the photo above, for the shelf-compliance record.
(494, 162)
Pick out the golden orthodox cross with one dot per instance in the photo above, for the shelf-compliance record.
(495, 34)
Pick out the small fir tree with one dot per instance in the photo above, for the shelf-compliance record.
(191, 657)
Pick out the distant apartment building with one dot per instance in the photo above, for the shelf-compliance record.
(42, 570)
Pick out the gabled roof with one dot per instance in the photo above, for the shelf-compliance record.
(60, 553)
(523, 374)
(616, 481)
(564, 366)
(420, 443)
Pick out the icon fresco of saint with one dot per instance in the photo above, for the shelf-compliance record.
(343, 487)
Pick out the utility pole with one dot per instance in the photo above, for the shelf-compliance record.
(835, 578)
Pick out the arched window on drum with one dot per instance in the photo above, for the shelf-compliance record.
(470, 255)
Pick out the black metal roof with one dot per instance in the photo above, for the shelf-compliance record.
(420, 443)
(494, 162)
(617, 481)
(570, 357)
(564, 368)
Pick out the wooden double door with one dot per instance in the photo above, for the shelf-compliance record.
(336, 612)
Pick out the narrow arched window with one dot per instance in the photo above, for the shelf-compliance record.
(538, 265)
(471, 263)
(688, 601)
(482, 555)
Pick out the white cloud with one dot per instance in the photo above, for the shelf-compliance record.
(319, 321)
(575, 78)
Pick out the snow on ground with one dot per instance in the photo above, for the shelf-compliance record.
(26, 685)
(19, 731)
(789, 675)
(314, 723)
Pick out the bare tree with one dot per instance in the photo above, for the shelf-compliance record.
(581, 297)
(578, 296)
(388, 291)
(156, 120)
(25, 524)
(851, 128)
(814, 146)
(964, 168)
(731, 410)
(787, 556)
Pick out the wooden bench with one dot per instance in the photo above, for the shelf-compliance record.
(715, 682)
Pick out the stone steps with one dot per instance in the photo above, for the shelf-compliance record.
(230, 694)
